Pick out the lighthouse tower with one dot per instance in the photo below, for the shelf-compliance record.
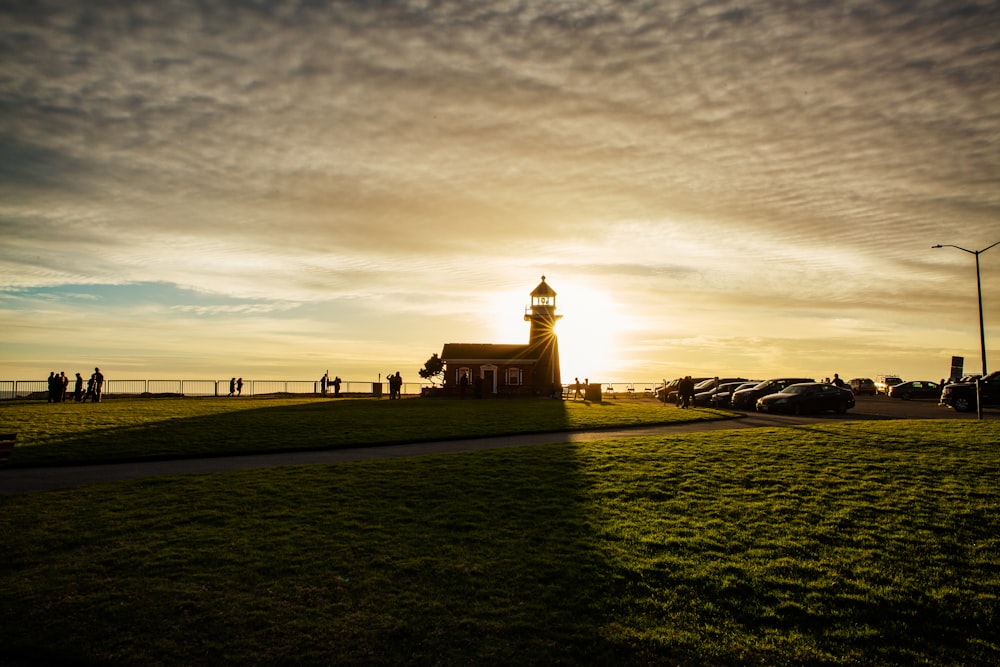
(542, 342)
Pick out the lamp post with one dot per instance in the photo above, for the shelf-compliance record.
(979, 288)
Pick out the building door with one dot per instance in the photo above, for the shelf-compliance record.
(490, 379)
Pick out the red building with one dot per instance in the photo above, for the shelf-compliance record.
(489, 369)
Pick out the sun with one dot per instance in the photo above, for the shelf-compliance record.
(588, 334)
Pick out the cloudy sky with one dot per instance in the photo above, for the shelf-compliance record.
(273, 189)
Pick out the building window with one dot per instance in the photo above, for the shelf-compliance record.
(466, 373)
(514, 376)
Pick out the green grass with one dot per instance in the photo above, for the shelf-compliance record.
(159, 428)
(833, 544)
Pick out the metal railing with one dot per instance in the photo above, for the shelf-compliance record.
(13, 389)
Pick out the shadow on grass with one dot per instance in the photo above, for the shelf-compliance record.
(467, 559)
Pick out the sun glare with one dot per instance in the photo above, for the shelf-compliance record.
(588, 332)
(588, 335)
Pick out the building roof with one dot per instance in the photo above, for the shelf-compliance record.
(485, 352)
(543, 289)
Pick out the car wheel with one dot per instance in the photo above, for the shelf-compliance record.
(963, 405)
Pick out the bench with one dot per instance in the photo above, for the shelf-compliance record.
(7, 441)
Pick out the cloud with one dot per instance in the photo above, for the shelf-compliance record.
(419, 154)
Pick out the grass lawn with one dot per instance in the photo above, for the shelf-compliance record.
(134, 429)
(843, 543)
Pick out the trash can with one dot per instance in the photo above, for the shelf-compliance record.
(593, 392)
(377, 389)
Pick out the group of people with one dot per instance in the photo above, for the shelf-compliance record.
(325, 383)
(578, 388)
(685, 392)
(395, 385)
(236, 387)
(59, 387)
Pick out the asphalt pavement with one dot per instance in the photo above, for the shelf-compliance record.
(46, 478)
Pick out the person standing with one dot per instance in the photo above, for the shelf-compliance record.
(685, 391)
(78, 389)
(98, 385)
(336, 386)
(239, 386)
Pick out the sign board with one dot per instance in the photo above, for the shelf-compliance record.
(957, 364)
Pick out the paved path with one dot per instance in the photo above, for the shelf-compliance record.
(23, 480)
(46, 478)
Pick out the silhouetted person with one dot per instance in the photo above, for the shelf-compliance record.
(685, 391)
(78, 389)
(52, 387)
(63, 386)
(239, 386)
(90, 390)
(323, 382)
(232, 386)
(576, 388)
(336, 386)
(463, 385)
(98, 385)
(837, 381)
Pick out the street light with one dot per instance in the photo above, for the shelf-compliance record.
(979, 287)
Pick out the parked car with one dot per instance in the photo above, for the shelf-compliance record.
(724, 399)
(862, 386)
(962, 395)
(915, 389)
(746, 399)
(808, 397)
(708, 398)
(883, 382)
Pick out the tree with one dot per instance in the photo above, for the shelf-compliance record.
(432, 369)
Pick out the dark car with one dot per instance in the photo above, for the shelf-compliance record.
(915, 389)
(725, 400)
(746, 399)
(862, 386)
(962, 395)
(808, 397)
(716, 395)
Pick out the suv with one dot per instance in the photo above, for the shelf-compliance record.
(883, 382)
(962, 395)
(862, 386)
(746, 399)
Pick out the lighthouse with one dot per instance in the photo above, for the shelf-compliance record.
(543, 344)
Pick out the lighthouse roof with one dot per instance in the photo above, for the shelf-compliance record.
(543, 289)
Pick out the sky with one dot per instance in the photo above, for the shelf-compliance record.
(197, 190)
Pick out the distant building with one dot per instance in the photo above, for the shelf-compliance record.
(491, 369)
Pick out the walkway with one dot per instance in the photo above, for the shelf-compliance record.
(47, 478)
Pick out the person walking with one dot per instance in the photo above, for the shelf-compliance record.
(577, 390)
(232, 386)
(685, 391)
(239, 386)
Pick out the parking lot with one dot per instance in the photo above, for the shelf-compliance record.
(883, 407)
